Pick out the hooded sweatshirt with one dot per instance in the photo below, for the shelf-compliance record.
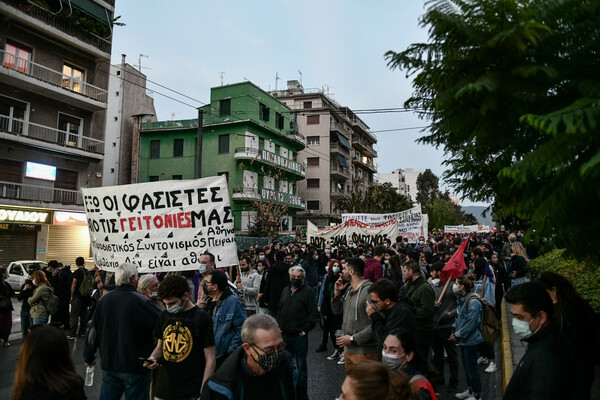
(38, 301)
(352, 305)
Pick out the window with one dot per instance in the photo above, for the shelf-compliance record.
(263, 112)
(308, 104)
(312, 183)
(71, 128)
(312, 161)
(223, 144)
(278, 121)
(72, 78)
(17, 57)
(177, 177)
(225, 174)
(312, 119)
(153, 178)
(224, 107)
(178, 148)
(313, 140)
(155, 149)
(12, 115)
(313, 205)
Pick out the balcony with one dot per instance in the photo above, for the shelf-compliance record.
(366, 165)
(36, 78)
(245, 193)
(335, 147)
(35, 135)
(338, 193)
(271, 159)
(364, 146)
(61, 27)
(19, 191)
(337, 171)
(253, 194)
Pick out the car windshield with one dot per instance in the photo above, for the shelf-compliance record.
(31, 267)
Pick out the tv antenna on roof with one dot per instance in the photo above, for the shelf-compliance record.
(277, 78)
(222, 73)
(300, 72)
(139, 66)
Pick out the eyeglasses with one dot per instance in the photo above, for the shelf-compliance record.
(271, 350)
(376, 301)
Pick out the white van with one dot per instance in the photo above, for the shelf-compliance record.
(19, 271)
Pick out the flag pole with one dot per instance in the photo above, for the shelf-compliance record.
(444, 289)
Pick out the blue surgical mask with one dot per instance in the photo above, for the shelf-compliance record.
(335, 270)
(175, 309)
(202, 268)
(521, 328)
(316, 257)
(327, 251)
(261, 257)
(154, 295)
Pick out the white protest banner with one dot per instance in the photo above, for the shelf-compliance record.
(351, 230)
(466, 228)
(410, 222)
(161, 226)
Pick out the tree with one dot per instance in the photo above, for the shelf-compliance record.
(512, 92)
(443, 211)
(378, 199)
(427, 188)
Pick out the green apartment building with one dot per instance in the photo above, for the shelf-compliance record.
(247, 136)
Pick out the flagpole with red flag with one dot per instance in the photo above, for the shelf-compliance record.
(454, 267)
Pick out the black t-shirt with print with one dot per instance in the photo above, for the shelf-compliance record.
(184, 335)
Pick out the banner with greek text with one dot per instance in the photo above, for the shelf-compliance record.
(351, 231)
(410, 222)
(161, 226)
(466, 228)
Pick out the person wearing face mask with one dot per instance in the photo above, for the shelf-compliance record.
(122, 328)
(296, 317)
(184, 356)
(331, 322)
(546, 370)
(260, 368)
(311, 266)
(399, 354)
(468, 334)
(148, 286)
(248, 285)
(39, 313)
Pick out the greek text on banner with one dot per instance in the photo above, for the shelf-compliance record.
(161, 226)
(351, 230)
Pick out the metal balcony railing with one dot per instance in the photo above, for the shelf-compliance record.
(271, 158)
(20, 191)
(46, 134)
(52, 77)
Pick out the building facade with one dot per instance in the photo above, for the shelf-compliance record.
(338, 156)
(247, 136)
(54, 76)
(404, 180)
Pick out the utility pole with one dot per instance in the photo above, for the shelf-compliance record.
(198, 173)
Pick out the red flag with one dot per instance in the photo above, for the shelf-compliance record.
(455, 265)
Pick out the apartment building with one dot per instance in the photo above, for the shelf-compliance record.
(404, 180)
(54, 75)
(339, 151)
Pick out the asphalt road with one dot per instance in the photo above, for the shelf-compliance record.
(324, 377)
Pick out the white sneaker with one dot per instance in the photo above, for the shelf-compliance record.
(464, 395)
(482, 360)
(341, 361)
(491, 368)
(336, 354)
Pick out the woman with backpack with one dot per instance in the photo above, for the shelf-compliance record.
(467, 334)
(39, 301)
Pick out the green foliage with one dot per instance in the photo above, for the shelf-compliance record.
(444, 211)
(511, 90)
(427, 188)
(379, 199)
(584, 276)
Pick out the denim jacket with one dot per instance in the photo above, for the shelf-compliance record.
(228, 317)
(467, 328)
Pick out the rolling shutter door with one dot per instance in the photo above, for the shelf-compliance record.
(17, 245)
(66, 243)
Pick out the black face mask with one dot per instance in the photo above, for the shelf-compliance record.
(297, 283)
(268, 361)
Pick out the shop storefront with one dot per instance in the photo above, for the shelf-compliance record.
(68, 238)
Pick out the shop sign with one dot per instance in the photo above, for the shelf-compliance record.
(20, 227)
(25, 215)
(69, 218)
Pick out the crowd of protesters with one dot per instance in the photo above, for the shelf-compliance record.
(393, 318)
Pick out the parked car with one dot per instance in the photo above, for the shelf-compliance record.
(19, 271)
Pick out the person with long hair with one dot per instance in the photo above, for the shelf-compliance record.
(399, 354)
(39, 312)
(6, 307)
(519, 264)
(575, 320)
(371, 380)
(331, 322)
(45, 369)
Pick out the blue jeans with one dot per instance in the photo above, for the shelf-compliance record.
(25, 322)
(469, 356)
(39, 321)
(517, 281)
(298, 346)
(134, 386)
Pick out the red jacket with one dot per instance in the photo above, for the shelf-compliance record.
(373, 270)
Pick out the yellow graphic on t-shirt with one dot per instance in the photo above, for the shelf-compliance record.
(177, 342)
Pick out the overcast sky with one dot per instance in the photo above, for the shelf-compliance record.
(337, 45)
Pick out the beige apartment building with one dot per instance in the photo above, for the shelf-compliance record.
(338, 156)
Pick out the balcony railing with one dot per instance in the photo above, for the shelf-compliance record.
(52, 77)
(367, 165)
(46, 134)
(20, 191)
(249, 193)
(61, 24)
(336, 192)
(246, 193)
(339, 170)
(270, 158)
(365, 144)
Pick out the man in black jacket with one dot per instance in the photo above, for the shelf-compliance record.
(386, 313)
(122, 329)
(296, 317)
(260, 368)
(545, 371)
(277, 280)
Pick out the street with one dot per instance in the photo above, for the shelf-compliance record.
(324, 377)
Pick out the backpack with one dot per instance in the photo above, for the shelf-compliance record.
(87, 283)
(52, 304)
(490, 326)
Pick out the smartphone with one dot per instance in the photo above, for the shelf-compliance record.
(146, 360)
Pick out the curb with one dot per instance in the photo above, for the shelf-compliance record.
(505, 345)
